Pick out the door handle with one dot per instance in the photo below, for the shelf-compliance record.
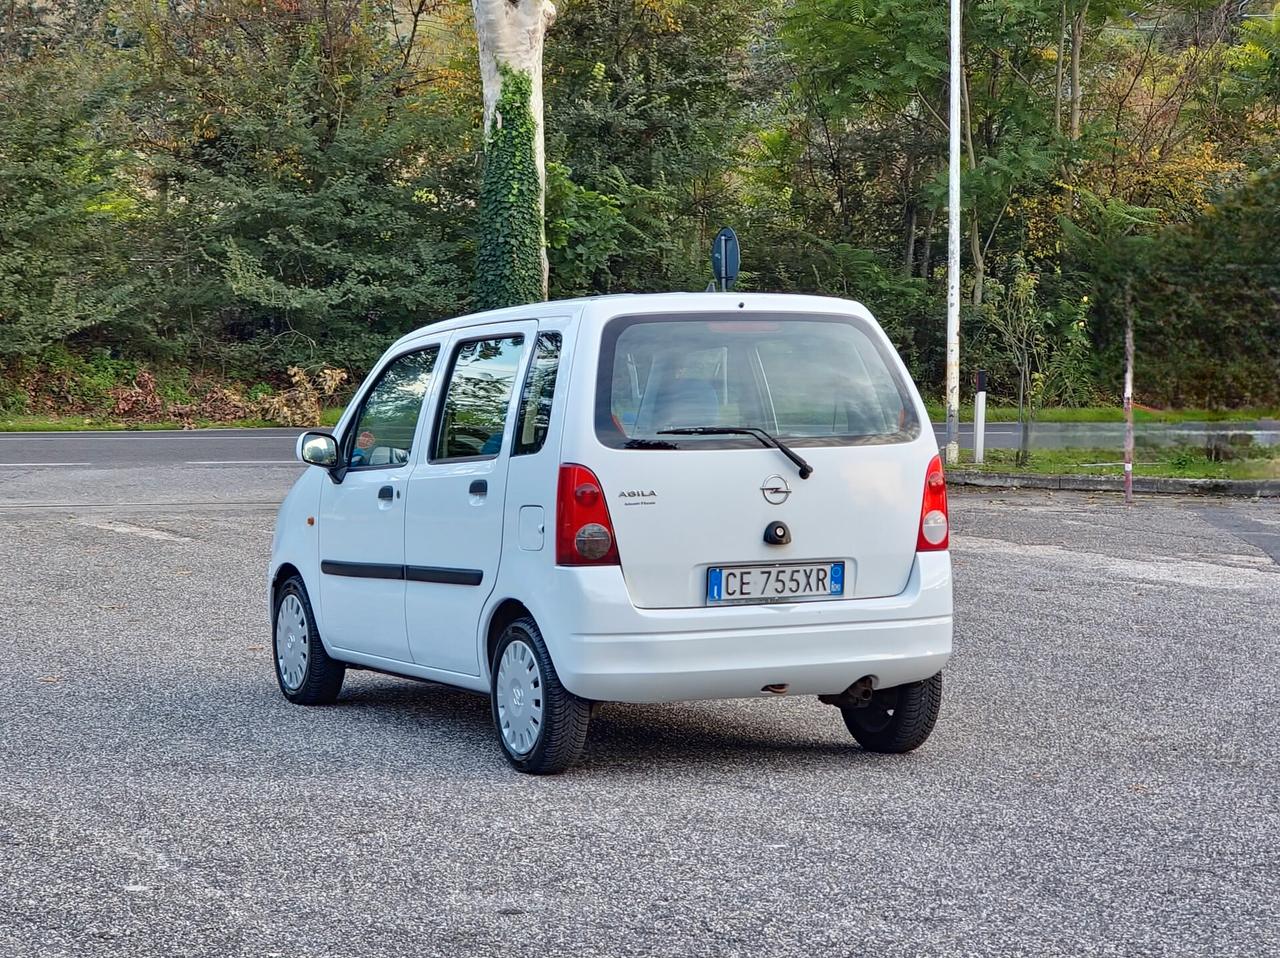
(479, 487)
(386, 493)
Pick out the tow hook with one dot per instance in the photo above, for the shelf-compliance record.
(856, 696)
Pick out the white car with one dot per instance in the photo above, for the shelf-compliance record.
(627, 499)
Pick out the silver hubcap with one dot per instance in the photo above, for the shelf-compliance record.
(519, 695)
(292, 649)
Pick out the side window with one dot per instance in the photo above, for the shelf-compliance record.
(474, 412)
(382, 434)
(539, 390)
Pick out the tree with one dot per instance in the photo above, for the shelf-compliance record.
(62, 204)
(653, 106)
(874, 98)
(1046, 348)
(1116, 237)
(511, 255)
(1211, 304)
(290, 216)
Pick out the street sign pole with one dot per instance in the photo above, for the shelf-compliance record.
(726, 257)
(953, 246)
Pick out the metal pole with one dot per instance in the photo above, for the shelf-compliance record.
(1128, 393)
(953, 246)
(980, 417)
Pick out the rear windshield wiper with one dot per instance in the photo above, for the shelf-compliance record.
(766, 438)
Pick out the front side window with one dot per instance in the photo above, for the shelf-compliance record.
(811, 380)
(539, 391)
(382, 435)
(473, 415)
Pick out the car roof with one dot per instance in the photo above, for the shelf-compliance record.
(602, 308)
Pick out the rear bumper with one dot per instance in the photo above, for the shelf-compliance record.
(624, 654)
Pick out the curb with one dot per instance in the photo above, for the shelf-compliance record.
(1244, 488)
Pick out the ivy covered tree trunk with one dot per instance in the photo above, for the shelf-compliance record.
(511, 258)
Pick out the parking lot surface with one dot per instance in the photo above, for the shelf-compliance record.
(1104, 779)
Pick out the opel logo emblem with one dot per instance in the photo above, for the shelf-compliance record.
(775, 490)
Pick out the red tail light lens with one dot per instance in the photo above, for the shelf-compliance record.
(935, 522)
(584, 533)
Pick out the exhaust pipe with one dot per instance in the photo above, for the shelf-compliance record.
(856, 696)
(779, 689)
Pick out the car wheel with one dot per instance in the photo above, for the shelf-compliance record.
(897, 719)
(306, 674)
(541, 725)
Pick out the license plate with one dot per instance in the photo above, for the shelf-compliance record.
(775, 583)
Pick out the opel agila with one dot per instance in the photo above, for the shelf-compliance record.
(627, 499)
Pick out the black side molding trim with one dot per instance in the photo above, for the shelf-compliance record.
(426, 573)
(362, 570)
(414, 573)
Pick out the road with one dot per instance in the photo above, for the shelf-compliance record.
(1103, 779)
(249, 446)
(132, 449)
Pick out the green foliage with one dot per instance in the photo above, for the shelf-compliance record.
(61, 263)
(235, 188)
(291, 212)
(1042, 352)
(510, 239)
(1209, 313)
(62, 381)
(584, 229)
(650, 102)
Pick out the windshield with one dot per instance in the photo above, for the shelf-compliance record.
(808, 381)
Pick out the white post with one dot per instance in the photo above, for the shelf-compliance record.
(953, 246)
(1128, 393)
(980, 417)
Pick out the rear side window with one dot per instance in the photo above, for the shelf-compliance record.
(539, 391)
(473, 415)
(813, 380)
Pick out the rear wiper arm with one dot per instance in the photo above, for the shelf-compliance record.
(766, 438)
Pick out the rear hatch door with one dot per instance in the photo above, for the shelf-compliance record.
(831, 388)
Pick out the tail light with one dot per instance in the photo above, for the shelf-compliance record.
(584, 533)
(935, 523)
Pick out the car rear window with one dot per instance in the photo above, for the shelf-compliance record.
(812, 380)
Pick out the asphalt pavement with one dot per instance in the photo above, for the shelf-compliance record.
(132, 449)
(1104, 778)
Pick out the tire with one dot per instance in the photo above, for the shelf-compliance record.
(541, 725)
(898, 719)
(305, 672)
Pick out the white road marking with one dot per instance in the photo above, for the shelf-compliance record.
(28, 465)
(1218, 572)
(241, 462)
(6, 507)
(127, 528)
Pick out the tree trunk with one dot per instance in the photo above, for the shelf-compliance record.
(975, 234)
(1057, 86)
(1077, 94)
(909, 254)
(979, 265)
(511, 250)
(926, 250)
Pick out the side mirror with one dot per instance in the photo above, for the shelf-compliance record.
(318, 449)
